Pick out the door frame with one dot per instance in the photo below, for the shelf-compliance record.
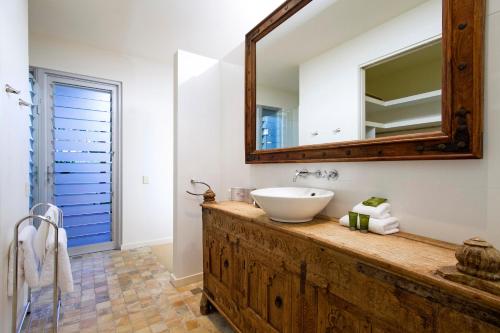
(45, 77)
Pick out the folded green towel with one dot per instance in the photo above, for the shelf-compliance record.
(374, 201)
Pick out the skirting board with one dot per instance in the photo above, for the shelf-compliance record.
(159, 241)
(181, 282)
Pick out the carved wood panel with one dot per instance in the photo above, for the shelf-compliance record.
(336, 315)
(278, 300)
(226, 264)
(265, 280)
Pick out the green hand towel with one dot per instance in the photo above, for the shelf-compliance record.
(374, 201)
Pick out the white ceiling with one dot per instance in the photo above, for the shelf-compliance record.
(318, 27)
(152, 29)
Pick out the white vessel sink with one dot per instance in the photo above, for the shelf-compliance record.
(292, 204)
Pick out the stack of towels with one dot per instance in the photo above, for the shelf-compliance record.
(381, 222)
(36, 253)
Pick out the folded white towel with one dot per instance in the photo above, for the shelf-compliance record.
(382, 211)
(379, 226)
(41, 235)
(27, 261)
(64, 276)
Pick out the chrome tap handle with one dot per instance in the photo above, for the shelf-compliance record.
(332, 175)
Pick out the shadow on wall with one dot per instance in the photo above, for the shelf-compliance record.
(197, 153)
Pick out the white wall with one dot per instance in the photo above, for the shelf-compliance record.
(147, 130)
(14, 133)
(327, 101)
(288, 101)
(270, 96)
(447, 200)
(197, 155)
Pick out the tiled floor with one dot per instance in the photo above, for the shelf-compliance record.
(125, 291)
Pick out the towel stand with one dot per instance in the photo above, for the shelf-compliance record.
(16, 328)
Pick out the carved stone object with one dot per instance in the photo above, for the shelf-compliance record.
(479, 258)
(209, 196)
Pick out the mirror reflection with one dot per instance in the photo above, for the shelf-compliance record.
(343, 70)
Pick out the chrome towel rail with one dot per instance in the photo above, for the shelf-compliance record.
(56, 295)
(198, 182)
(208, 195)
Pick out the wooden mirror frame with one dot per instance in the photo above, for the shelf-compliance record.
(461, 135)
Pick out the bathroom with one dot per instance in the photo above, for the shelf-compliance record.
(192, 86)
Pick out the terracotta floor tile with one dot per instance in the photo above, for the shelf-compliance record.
(124, 292)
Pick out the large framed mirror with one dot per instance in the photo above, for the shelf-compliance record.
(358, 80)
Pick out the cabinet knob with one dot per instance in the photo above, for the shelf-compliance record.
(278, 301)
(226, 263)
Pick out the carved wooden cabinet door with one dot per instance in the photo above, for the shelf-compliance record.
(268, 302)
(239, 268)
(226, 263)
(278, 300)
(213, 257)
(255, 290)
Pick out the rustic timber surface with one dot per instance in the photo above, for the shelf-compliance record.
(321, 266)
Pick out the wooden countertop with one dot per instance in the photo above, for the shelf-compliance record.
(410, 255)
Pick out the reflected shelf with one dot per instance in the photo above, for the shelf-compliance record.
(407, 124)
(375, 104)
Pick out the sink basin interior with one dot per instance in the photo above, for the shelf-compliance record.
(292, 192)
(292, 204)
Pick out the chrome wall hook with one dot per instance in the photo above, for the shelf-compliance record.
(10, 90)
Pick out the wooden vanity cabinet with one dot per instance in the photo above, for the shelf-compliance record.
(269, 277)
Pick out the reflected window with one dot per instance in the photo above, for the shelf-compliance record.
(270, 126)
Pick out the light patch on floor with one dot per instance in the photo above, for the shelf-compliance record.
(164, 253)
(124, 291)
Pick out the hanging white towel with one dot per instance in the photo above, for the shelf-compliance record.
(64, 276)
(379, 226)
(41, 235)
(382, 211)
(27, 261)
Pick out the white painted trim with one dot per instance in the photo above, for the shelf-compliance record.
(135, 245)
(181, 282)
(45, 77)
(409, 100)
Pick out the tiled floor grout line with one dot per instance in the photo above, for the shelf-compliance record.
(125, 291)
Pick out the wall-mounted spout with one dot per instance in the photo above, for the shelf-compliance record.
(329, 175)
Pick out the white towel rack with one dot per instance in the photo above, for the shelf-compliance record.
(16, 328)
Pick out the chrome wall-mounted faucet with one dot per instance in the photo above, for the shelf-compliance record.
(329, 175)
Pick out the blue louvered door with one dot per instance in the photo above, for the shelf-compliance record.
(79, 124)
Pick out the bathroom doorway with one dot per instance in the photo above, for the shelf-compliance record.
(77, 145)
